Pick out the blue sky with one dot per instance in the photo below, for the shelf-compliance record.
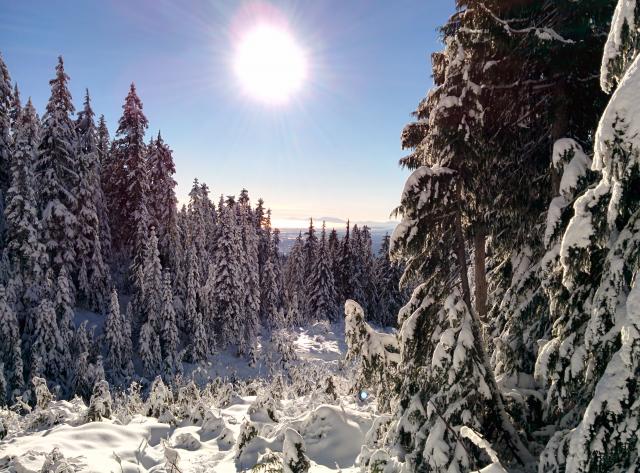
(332, 151)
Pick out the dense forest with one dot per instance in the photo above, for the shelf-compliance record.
(92, 223)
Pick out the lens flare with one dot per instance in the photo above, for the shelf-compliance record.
(270, 65)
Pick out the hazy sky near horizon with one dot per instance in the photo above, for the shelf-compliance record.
(331, 151)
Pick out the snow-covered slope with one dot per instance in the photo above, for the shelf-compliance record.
(224, 433)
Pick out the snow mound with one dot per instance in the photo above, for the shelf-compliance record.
(333, 435)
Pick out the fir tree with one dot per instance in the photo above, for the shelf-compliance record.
(162, 200)
(251, 282)
(198, 348)
(128, 185)
(590, 365)
(93, 275)
(321, 286)
(149, 350)
(56, 175)
(10, 350)
(270, 297)
(15, 109)
(45, 353)
(6, 97)
(229, 305)
(27, 253)
(294, 282)
(63, 303)
(388, 296)
(153, 282)
(114, 336)
(168, 328)
(103, 146)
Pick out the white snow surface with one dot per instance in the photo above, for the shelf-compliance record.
(333, 434)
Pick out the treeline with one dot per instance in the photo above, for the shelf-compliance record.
(521, 346)
(92, 222)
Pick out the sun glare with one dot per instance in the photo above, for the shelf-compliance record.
(270, 65)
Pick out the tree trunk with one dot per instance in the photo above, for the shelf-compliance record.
(519, 450)
(480, 272)
(462, 261)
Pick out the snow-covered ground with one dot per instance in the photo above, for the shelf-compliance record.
(208, 438)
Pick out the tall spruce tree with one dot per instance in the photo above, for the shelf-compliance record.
(114, 335)
(446, 207)
(169, 336)
(321, 286)
(229, 306)
(251, 277)
(92, 277)
(57, 177)
(103, 148)
(28, 257)
(163, 208)
(128, 185)
(10, 349)
(294, 282)
(6, 96)
(270, 297)
(388, 298)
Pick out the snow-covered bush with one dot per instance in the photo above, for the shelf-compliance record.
(247, 432)
(264, 408)
(56, 463)
(374, 440)
(100, 403)
(160, 402)
(269, 462)
(172, 458)
(4, 430)
(188, 402)
(42, 394)
(293, 452)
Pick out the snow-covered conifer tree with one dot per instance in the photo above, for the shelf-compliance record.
(344, 266)
(128, 185)
(590, 366)
(114, 336)
(6, 96)
(321, 286)
(163, 208)
(251, 278)
(93, 276)
(65, 314)
(16, 108)
(45, 348)
(149, 350)
(153, 282)
(270, 305)
(27, 255)
(228, 280)
(103, 146)
(56, 174)
(199, 340)
(294, 282)
(388, 297)
(10, 349)
(168, 328)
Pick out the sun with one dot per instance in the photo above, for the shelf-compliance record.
(269, 64)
